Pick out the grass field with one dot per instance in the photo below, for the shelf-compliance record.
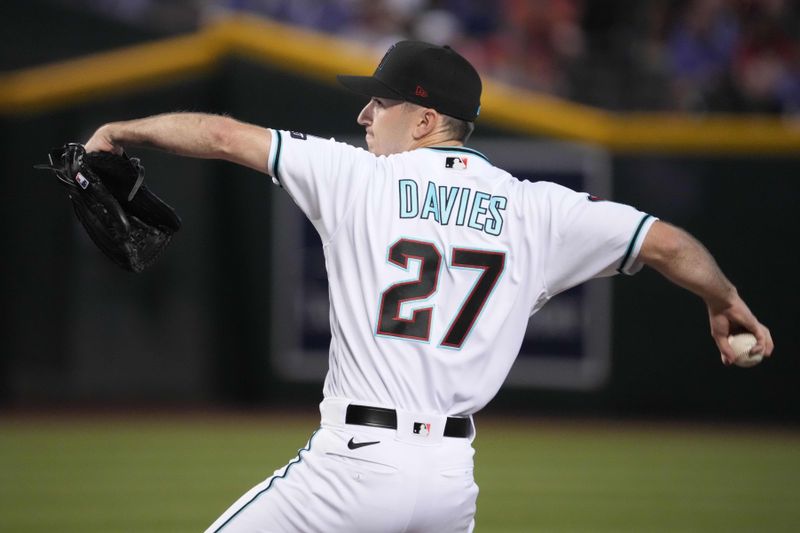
(177, 473)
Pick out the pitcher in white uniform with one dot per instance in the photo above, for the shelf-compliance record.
(435, 259)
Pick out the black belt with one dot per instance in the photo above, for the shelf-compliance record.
(379, 417)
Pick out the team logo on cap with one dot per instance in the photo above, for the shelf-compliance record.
(423, 429)
(385, 56)
(456, 163)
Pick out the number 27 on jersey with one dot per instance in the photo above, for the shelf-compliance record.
(418, 327)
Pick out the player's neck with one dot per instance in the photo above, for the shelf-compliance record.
(435, 141)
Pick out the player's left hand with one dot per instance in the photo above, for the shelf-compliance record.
(102, 141)
(128, 222)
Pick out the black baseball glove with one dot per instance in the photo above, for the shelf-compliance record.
(130, 224)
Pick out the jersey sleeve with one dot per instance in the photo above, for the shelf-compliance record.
(589, 238)
(322, 176)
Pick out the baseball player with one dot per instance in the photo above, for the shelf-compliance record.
(435, 259)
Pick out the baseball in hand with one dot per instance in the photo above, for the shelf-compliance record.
(741, 344)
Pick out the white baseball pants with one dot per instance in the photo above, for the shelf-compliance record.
(351, 478)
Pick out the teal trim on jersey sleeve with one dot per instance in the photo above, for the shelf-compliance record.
(277, 157)
(293, 462)
(460, 149)
(632, 244)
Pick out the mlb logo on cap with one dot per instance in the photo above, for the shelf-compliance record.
(422, 429)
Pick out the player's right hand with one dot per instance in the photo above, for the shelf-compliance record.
(737, 318)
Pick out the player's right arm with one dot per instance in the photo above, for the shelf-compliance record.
(198, 135)
(686, 262)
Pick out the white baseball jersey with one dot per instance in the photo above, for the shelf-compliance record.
(436, 259)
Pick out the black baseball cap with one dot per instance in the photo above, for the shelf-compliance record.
(424, 74)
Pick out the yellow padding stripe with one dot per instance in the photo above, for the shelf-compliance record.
(78, 80)
(312, 54)
(682, 133)
(320, 56)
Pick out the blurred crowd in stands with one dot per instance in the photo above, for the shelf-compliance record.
(691, 55)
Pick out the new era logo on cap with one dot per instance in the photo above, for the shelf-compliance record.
(421, 92)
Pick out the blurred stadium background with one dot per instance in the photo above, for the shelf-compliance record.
(150, 402)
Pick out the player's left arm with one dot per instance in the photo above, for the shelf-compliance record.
(198, 135)
(686, 262)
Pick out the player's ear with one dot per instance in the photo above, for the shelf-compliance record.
(427, 119)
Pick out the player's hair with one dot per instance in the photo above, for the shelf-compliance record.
(460, 130)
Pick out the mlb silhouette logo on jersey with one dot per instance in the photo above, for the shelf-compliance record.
(457, 163)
